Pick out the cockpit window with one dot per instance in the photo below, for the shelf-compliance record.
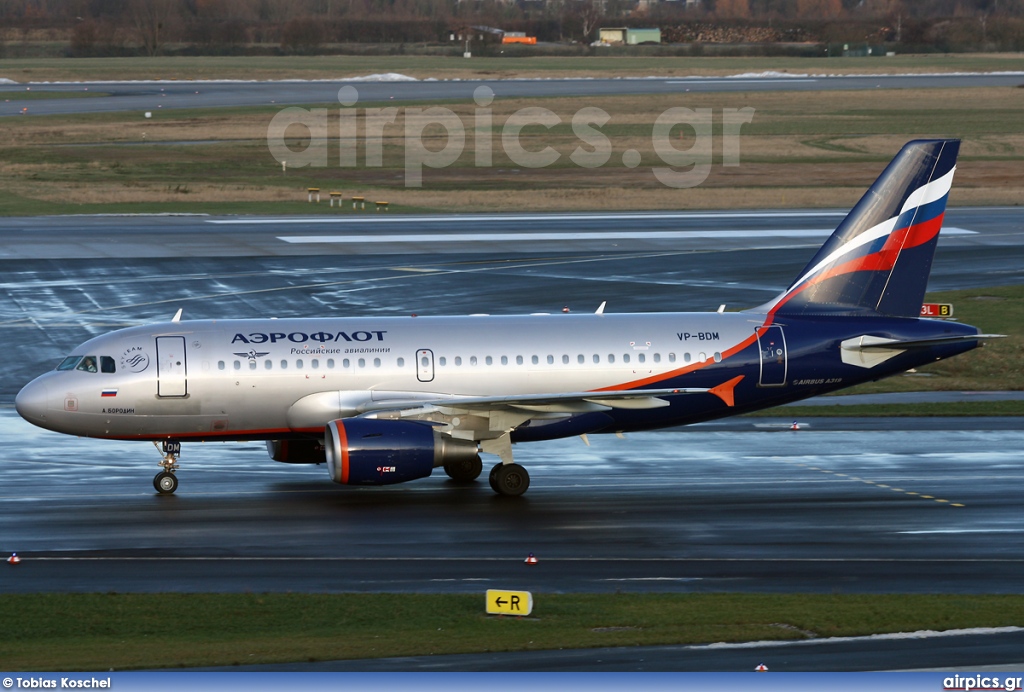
(107, 364)
(69, 363)
(88, 364)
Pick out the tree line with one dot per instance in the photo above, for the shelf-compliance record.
(150, 27)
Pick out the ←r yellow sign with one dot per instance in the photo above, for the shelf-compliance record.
(509, 602)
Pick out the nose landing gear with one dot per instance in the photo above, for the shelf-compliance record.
(166, 482)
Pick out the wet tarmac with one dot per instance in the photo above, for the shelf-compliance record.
(155, 96)
(866, 505)
(843, 505)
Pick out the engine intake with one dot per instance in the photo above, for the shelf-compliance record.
(366, 451)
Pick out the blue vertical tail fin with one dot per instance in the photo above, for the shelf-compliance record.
(879, 258)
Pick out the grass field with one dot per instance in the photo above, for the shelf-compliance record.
(121, 631)
(523, 65)
(799, 150)
(996, 366)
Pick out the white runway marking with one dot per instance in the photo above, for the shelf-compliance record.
(921, 634)
(765, 80)
(569, 235)
(475, 218)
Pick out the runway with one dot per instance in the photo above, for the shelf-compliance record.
(152, 96)
(843, 505)
(970, 651)
(66, 279)
(915, 506)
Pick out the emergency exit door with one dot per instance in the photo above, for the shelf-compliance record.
(425, 365)
(171, 369)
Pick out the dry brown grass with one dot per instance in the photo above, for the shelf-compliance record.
(802, 150)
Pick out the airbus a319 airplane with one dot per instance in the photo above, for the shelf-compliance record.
(387, 400)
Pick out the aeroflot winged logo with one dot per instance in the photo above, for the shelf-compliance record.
(252, 354)
(134, 359)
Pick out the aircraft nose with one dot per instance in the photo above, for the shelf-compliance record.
(31, 402)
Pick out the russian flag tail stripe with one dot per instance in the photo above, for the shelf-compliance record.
(879, 257)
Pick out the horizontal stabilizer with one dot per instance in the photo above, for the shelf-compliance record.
(868, 351)
(875, 343)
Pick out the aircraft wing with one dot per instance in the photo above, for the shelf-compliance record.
(562, 402)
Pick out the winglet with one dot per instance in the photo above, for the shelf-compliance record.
(724, 391)
(177, 315)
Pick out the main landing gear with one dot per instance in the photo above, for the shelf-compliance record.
(464, 470)
(166, 482)
(510, 480)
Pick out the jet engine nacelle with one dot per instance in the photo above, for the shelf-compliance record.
(297, 451)
(367, 451)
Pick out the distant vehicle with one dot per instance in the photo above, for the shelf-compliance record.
(386, 400)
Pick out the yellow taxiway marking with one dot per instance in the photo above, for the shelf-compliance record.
(877, 484)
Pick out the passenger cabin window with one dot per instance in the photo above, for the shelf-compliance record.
(107, 364)
(88, 364)
(69, 363)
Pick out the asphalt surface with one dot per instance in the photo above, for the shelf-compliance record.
(66, 279)
(843, 505)
(154, 96)
(968, 651)
(915, 506)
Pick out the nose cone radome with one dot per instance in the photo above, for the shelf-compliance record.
(31, 402)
